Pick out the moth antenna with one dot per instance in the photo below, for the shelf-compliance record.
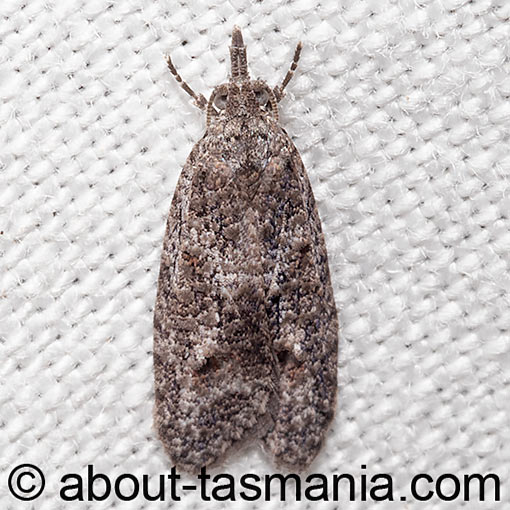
(279, 91)
(238, 60)
(200, 100)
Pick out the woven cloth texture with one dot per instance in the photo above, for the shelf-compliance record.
(400, 109)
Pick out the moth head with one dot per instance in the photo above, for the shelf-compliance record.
(241, 95)
(251, 98)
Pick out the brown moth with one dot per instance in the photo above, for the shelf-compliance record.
(245, 325)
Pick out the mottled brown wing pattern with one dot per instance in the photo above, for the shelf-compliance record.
(214, 369)
(305, 325)
(245, 326)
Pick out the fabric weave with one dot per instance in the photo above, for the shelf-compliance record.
(400, 110)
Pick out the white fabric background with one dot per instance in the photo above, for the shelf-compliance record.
(401, 111)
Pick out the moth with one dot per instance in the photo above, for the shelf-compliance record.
(245, 324)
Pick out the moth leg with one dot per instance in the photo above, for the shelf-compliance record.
(279, 90)
(200, 100)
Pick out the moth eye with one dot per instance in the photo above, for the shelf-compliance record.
(262, 97)
(220, 101)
